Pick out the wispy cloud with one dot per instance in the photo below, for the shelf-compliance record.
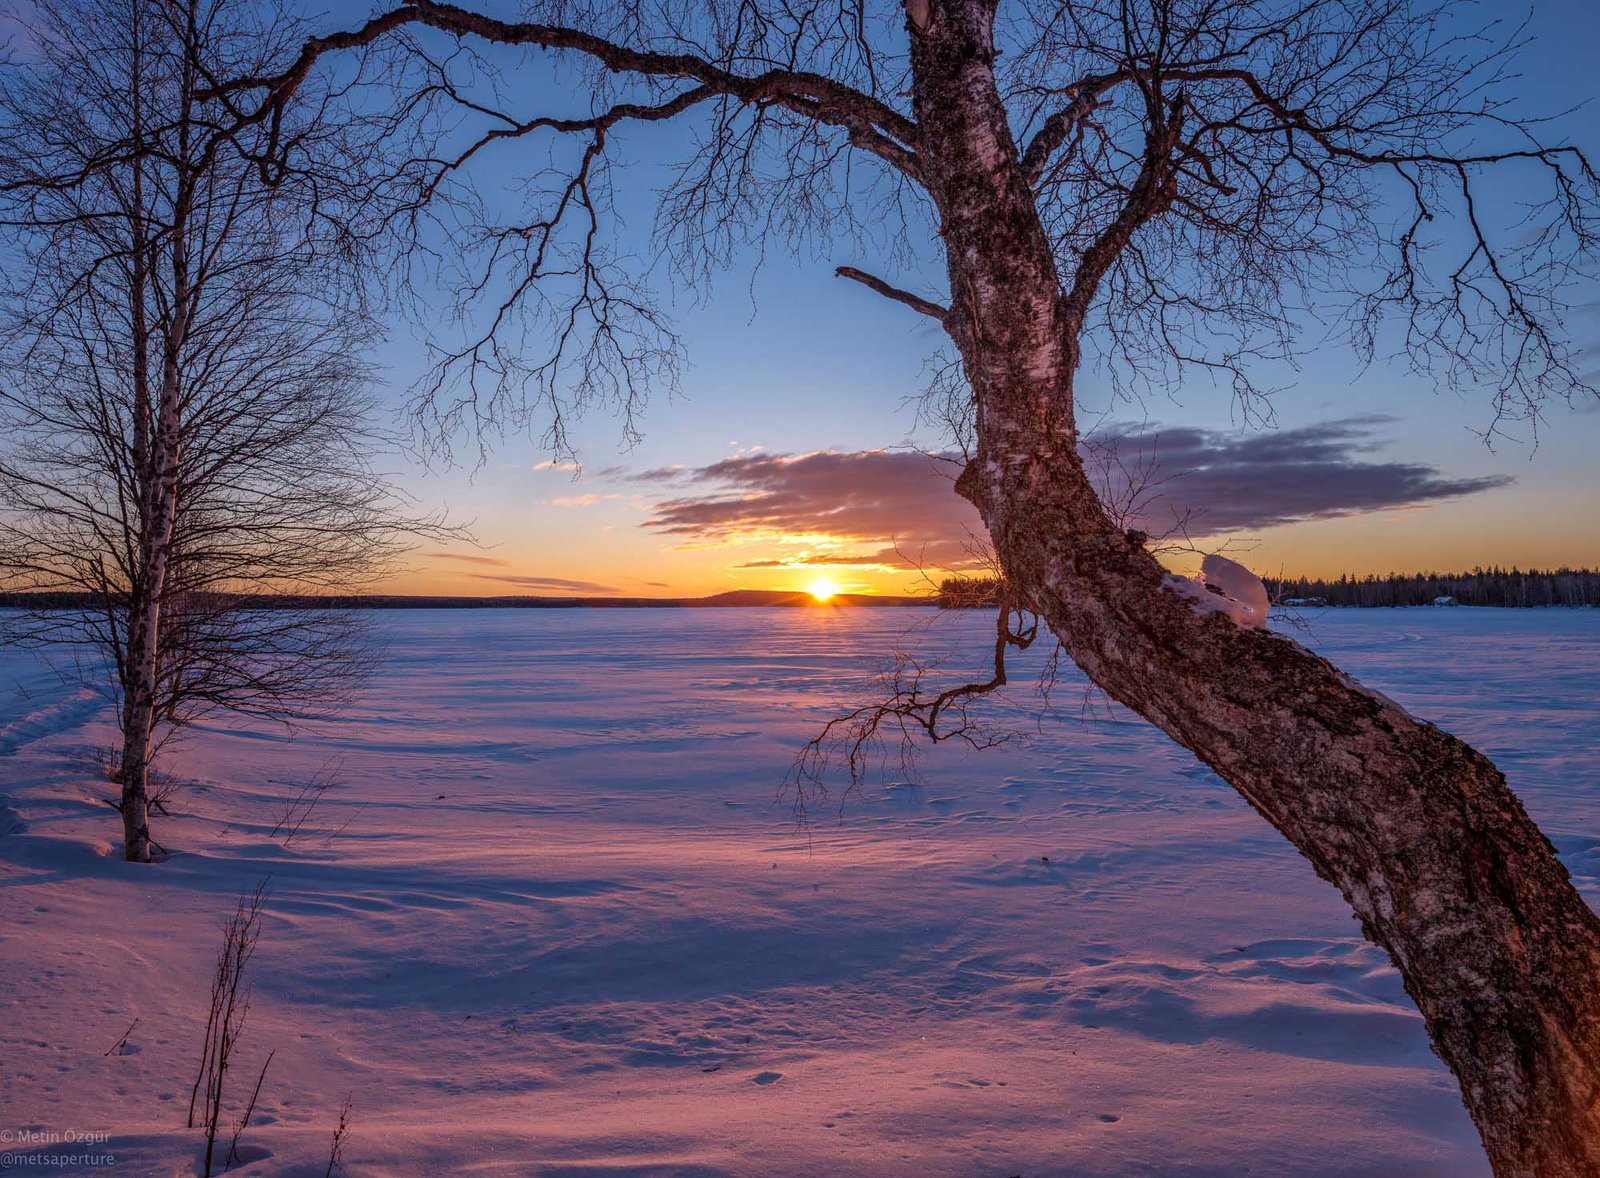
(557, 584)
(885, 558)
(469, 558)
(656, 474)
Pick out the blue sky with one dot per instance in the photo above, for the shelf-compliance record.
(789, 360)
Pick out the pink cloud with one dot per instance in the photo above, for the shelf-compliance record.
(900, 502)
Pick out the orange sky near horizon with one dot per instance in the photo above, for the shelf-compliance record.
(594, 544)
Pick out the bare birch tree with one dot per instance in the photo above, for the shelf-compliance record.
(1156, 186)
(182, 392)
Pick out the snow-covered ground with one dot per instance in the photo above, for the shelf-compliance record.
(554, 919)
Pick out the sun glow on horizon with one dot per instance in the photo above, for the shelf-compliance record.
(822, 589)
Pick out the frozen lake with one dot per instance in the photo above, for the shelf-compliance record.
(555, 919)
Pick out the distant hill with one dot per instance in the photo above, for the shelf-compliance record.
(738, 597)
(734, 598)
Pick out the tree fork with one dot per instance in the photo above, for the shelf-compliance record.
(1421, 834)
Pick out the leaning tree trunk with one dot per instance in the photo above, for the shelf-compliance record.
(1419, 832)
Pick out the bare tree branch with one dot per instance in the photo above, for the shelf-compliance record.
(871, 125)
(915, 302)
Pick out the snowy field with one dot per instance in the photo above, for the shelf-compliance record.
(554, 919)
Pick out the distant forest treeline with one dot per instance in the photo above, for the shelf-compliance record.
(1515, 588)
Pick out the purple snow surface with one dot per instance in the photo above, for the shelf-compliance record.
(555, 919)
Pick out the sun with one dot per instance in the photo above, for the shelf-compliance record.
(822, 589)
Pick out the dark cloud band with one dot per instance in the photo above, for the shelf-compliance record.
(1231, 483)
(902, 504)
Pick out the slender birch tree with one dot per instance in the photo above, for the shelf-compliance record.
(1158, 187)
(182, 395)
